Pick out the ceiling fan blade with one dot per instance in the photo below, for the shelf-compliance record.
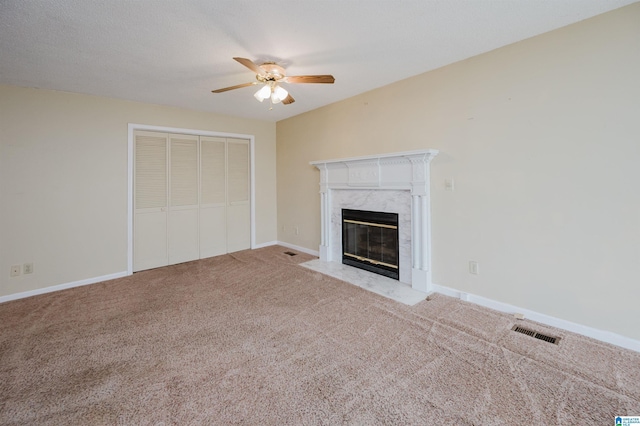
(239, 86)
(310, 79)
(288, 100)
(249, 64)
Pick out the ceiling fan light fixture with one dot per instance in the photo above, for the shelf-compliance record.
(279, 94)
(270, 74)
(263, 93)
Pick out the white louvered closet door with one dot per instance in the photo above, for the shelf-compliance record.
(150, 200)
(213, 196)
(183, 196)
(191, 198)
(238, 205)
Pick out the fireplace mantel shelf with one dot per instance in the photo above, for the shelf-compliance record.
(400, 170)
(407, 172)
(389, 157)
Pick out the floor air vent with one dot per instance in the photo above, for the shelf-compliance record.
(535, 334)
(290, 253)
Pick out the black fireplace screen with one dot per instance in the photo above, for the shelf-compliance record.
(370, 241)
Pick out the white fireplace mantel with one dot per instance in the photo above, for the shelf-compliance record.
(401, 171)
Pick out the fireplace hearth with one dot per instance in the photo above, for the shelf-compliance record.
(370, 241)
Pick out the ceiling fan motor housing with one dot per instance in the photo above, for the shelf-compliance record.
(274, 72)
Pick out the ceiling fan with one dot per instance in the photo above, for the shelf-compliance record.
(271, 75)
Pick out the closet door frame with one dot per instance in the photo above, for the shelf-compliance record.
(130, 161)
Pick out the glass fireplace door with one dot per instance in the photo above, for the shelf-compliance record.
(370, 241)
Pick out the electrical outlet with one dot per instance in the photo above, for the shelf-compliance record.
(27, 268)
(473, 267)
(15, 271)
(297, 231)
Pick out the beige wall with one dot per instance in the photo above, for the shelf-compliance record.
(542, 139)
(63, 181)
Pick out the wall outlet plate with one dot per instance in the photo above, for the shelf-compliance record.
(15, 271)
(474, 268)
(27, 268)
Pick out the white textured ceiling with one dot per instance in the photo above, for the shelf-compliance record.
(174, 52)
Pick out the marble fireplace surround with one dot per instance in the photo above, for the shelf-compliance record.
(392, 183)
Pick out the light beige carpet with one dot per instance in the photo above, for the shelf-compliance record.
(254, 339)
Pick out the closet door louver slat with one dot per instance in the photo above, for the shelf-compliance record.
(151, 172)
(213, 182)
(238, 163)
(184, 172)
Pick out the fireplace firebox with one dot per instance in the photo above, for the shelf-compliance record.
(370, 241)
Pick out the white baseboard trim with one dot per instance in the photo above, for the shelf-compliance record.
(263, 245)
(594, 333)
(59, 287)
(298, 248)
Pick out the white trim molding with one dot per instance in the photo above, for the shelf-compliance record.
(400, 171)
(594, 333)
(287, 245)
(267, 244)
(298, 248)
(132, 127)
(80, 283)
